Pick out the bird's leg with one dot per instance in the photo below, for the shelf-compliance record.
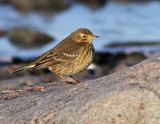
(66, 82)
(76, 81)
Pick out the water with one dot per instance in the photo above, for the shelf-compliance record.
(114, 22)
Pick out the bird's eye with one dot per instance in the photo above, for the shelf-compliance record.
(84, 36)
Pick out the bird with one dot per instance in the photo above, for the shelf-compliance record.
(69, 57)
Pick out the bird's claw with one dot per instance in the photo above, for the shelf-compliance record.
(70, 83)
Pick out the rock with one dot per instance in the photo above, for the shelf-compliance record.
(5, 72)
(109, 61)
(4, 1)
(28, 38)
(103, 58)
(93, 4)
(28, 5)
(2, 33)
(126, 1)
(131, 96)
(21, 81)
(132, 58)
(120, 67)
(133, 43)
(98, 70)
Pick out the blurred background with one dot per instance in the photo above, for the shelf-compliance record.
(129, 33)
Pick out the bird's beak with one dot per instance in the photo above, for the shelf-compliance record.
(93, 36)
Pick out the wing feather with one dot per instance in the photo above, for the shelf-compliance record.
(63, 52)
(52, 58)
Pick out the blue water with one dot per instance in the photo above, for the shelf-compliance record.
(114, 22)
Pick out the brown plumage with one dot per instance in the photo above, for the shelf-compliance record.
(71, 56)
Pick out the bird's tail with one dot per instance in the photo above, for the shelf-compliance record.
(20, 69)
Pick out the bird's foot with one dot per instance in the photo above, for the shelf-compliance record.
(76, 82)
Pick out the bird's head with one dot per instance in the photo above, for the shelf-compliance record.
(83, 35)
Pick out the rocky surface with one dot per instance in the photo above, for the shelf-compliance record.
(28, 38)
(28, 5)
(20, 81)
(131, 96)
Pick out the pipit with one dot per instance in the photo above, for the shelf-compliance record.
(71, 56)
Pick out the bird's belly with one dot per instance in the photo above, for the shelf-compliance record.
(73, 67)
(82, 66)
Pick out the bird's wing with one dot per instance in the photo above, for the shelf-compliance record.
(65, 51)
(54, 57)
(65, 56)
